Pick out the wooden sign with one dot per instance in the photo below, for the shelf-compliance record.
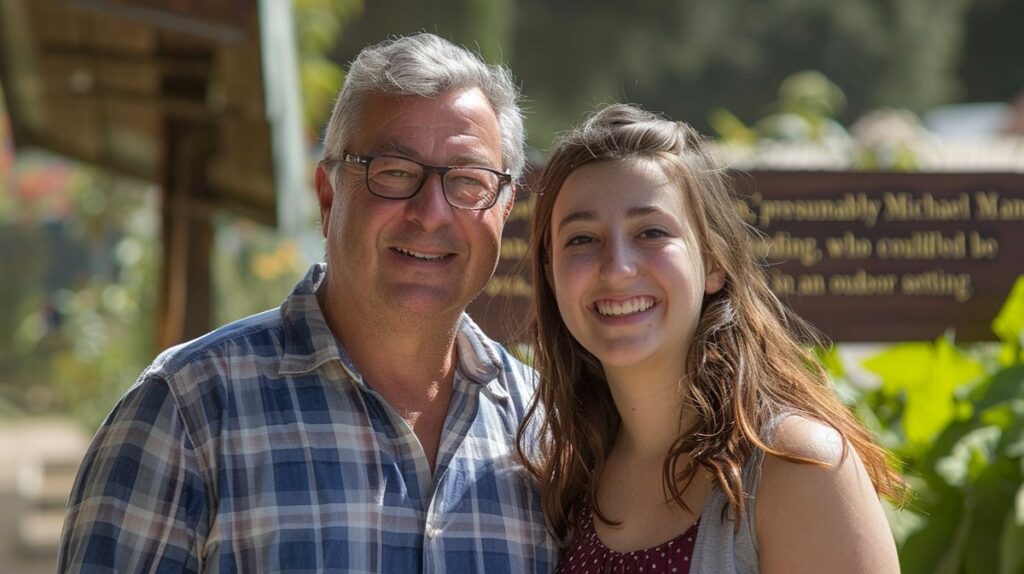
(890, 256)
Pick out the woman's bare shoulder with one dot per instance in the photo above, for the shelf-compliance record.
(819, 517)
(807, 438)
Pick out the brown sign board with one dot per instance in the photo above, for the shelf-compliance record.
(864, 256)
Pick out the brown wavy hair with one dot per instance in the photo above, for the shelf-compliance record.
(751, 358)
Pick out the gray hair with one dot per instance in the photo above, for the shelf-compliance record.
(426, 65)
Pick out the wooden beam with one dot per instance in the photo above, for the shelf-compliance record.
(185, 290)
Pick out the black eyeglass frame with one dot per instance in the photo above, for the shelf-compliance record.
(504, 179)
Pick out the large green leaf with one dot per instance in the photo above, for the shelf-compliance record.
(928, 374)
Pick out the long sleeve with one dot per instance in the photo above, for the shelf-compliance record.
(138, 504)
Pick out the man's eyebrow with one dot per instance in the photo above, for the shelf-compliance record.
(397, 148)
(468, 160)
(474, 160)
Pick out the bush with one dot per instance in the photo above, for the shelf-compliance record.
(955, 417)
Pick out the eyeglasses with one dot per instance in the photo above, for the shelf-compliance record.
(391, 177)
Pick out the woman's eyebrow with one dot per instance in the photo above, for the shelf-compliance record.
(634, 212)
(577, 216)
(585, 215)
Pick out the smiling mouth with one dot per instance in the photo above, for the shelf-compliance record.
(623, 308)
(420, 256)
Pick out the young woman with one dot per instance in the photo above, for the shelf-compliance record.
(686, 427)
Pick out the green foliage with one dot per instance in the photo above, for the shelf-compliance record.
(804, 111)
(688, 57)
(1009, 325)
(81, 262)
(928, 389)
(317, 26)
(956, 419)
(245, 255)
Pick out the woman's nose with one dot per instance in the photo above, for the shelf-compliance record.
(617, 260)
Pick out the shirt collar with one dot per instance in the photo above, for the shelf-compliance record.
(309, 342)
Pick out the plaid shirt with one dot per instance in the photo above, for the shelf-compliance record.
(259, 448)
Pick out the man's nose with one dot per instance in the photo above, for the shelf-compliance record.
(429, 207)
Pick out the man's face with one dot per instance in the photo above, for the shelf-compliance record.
(418, 257)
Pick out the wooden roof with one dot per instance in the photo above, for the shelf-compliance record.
(109, 82)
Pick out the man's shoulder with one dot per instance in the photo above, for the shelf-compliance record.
(254, 337)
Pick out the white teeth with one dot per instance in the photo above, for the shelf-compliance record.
(628, 307)
(418, 255)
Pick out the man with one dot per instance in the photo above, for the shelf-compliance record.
(367, 425)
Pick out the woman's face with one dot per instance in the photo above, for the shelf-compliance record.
(626, 265)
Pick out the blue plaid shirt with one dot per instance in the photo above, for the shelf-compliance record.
(259, 448)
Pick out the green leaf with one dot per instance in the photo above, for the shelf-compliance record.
(971, 455)
(903, 521)
(1004, 385)
(831, 360)
(1011, 552)
(1019, 507)
(1009, 323)
(944, 443)
(730, 128)
(929, 375)
(901, 366)
(1012, 445)
(1001, 415)
(938, 545)
(983, 551)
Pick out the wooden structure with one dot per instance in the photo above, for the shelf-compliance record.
(198, 97)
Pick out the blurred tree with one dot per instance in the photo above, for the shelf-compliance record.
(486, 26)
(318, 24)
(688, 57)
(993, 36)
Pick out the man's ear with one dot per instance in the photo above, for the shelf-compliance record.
(509, 203)
(324, 195)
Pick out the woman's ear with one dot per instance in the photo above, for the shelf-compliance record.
(545, 260)
(715, 280)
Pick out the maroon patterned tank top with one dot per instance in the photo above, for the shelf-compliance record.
(588, 555)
